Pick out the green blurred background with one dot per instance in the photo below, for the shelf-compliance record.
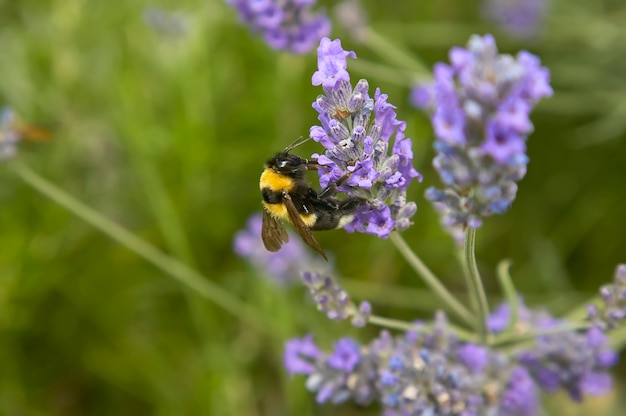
(166, 133)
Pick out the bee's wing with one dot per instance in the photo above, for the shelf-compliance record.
(273, 232)
(301, 228)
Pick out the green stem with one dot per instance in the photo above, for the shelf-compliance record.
(617, 338)
(453, 305)
(580, 312)
(510, 293)
(382, 294)
(396, 55)
(513, 339)
(384, 73)
(167, 264)
(408, 326)
(475, 284)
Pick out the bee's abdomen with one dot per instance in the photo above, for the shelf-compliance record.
(331, 217)
(331, 221)
(271, 197)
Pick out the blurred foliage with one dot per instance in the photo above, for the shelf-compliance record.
(166, 134)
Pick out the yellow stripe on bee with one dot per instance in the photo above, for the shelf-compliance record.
(275, 181)
(280, 211)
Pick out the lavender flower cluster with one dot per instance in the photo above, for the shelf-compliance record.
(480, 106)
(429, 371)
(418, 373)
(356, 131)
(612, 311)
(284, 24)
(577, 361)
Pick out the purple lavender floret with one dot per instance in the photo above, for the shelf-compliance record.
(346, 372)
(289, 25)
(427, 371)
(480, 106)
(283, 266)
(577, 361)
(612, 311)
(521, 18)
(298, 355)
(363, 139)
(334, 301)
(520, 396)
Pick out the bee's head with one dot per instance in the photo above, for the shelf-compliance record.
(286, 164)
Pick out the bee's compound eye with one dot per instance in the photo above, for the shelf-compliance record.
(282, 164)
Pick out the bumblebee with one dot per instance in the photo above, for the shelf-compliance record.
(287, 196)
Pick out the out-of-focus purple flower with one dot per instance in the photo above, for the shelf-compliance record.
(346, 355)
(612, 311)
(286, 265)
(431, 372)
(573, 361)
(520, 396)
(300, 354)
(347, 372)
(521, 18)
(422, 96)
(427, 371)
(500, 317)
(9, 135)
(480, 106)
(577, 361)
(473, 356)
(334, 301)
(284, 24)
(365, 142)
(283, 266)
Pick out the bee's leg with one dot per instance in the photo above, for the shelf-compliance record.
(351, 204)
(331, 189)
(312, 164)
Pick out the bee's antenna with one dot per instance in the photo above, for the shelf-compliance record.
(297, 143)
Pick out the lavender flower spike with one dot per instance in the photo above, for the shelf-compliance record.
(364, 142)
(612, 312)
(284, 24)
(480, 106)
(428, 372)
(334, 301)
(577, 361)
